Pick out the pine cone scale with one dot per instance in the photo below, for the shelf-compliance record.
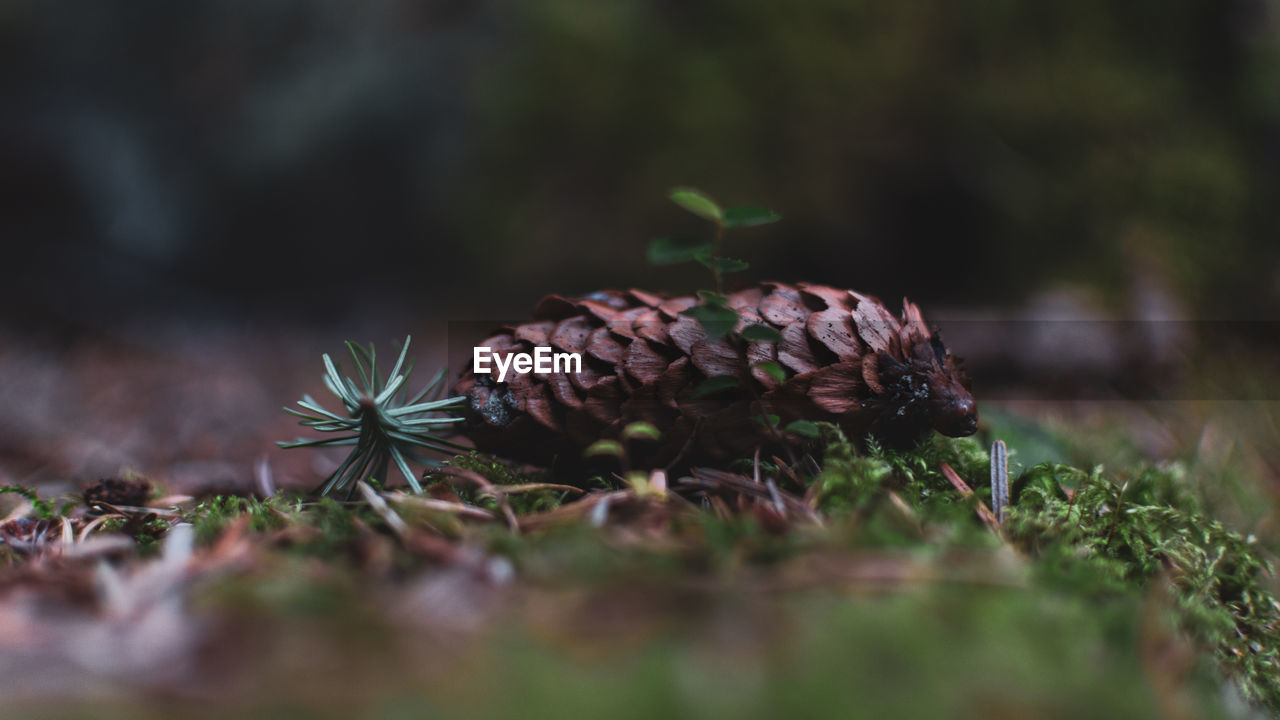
(833, 328)
(795, 353)
(715, 358)
(783, 307)
(650, 326)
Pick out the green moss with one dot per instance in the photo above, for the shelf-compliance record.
(500, 473)
(1087, 536)
(211, 516)
(1093, 536)
(493, 470)
(42, 508)
(856, 486)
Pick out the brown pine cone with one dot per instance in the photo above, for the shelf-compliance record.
(845, 357)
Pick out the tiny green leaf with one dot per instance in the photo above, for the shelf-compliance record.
(744, 216)
(603, 447)
(638, 481)
(711, 386)
(761, 332)
(696, 202)
(769, 420)
(803, 428)
(641, 430)
(774, 370)
(669, 250)
(717, 321)
(713, 298)
(720, 264)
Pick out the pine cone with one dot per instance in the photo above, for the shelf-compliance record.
(845, 357)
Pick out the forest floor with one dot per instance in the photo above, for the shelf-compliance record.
(1129, 580)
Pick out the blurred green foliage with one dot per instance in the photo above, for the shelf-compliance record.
(963, 151)
(1007, 144)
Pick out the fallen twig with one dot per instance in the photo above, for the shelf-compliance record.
(708, 479)
(983, 511)
(456, 508)
(480, 481)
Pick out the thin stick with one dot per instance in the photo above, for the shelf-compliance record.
(999, 478)
(984, 512)
(445, 506)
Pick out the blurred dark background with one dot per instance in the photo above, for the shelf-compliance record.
(307, 158)
(238, 175)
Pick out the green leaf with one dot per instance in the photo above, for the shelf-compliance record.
(696, 202)
(641, 430)
(717, 321)
(773, 369)
(803, 428)
(769, 420)
(670, 250)
(720, 264)
(761, 332)
(711, 386)
(714, 299)
(745, 216)
(603, 447)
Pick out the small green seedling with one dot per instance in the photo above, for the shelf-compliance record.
(673, 250)
(382, 424)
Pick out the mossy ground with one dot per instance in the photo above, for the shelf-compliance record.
(1110, 591)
